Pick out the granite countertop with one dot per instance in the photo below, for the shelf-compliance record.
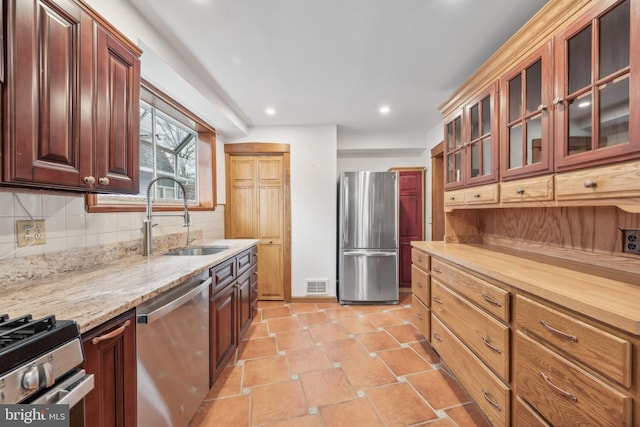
(610, 301)
(94, 295)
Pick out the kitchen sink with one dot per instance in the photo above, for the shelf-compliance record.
(197, 250)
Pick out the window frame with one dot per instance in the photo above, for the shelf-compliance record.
(206, 158)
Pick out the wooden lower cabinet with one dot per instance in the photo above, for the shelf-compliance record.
(110, 353)
(232, 307)
(421, 289)
(562, 392)
(491, 395)
(525, 416)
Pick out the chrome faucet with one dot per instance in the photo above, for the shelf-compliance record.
(148, 225)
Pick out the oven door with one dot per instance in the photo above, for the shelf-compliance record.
(71, 391)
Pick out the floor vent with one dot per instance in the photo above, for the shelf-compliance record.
(317, 287)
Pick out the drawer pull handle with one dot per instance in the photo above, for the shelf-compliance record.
(520, 190)
(557, 389)
(476, 195)
(486, 342)
(437, 300)
(418, 284)
(436, 336)
(590, 183)
(558, 332)
(490, 400)
(111, 334)
(490, 300)
(419, 316)
(437, 270)
(452, 198)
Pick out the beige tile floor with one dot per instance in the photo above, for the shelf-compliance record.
(323, 364)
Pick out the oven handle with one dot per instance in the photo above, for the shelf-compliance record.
(173, 303)
(69, 392)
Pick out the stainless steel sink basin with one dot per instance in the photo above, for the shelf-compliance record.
(197, 250)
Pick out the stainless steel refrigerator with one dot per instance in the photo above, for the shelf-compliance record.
(368, 237)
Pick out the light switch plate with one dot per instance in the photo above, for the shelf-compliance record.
(30, 232)
(631, 241)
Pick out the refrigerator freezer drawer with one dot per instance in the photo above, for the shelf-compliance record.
(368, 276)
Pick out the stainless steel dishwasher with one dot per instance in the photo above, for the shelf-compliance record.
(173, 354)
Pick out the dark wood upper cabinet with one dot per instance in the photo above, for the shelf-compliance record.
(597, 104)
(526, 117)
(71, 100)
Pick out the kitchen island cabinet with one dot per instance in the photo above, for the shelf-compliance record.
(553, 342)
(110, 353)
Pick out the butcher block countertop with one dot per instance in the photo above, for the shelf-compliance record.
(95, 295)
(610, 301)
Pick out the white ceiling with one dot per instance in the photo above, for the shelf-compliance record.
(337, 61)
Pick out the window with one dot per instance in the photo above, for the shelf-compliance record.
(173, 143)
(167, 148)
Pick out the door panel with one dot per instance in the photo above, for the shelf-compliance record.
(270, 283)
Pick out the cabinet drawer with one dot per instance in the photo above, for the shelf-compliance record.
(527, 190)
(244, 260)
(454, 198)
(482, 194)
(524, 415)
(487, 296)
(420, 259)
(490, 394)
(423, 317)
(420, 285)
(563, 393)
(222, 274)
(620, 180)
(591, 346)
(487, 337)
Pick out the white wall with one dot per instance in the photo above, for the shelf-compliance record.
(313, 200)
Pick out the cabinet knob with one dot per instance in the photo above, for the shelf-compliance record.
(557, 101)
(89, 180)
(542, 108)
(590, 183)
(477, 195)
(520, 190)
(104, 181)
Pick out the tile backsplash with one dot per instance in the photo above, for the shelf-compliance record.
(69, 227)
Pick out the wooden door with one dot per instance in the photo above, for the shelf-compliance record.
(110, 353)
(437, 192)
(117, 116)
(411, 219)
(48, 99)
(258, 208)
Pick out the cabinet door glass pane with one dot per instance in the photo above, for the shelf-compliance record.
(453, 167)
(515, 98)
(458, 130)
(580, 60)
(450, 137)
(475, 123)
(534, 87)
(614, 113)
(486, 116)
(515, 147)
(534, 140)
(614, 40)
(580, 131)
(486, 156)
(475, 160)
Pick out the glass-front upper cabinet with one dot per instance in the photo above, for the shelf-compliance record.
(470, 142)
(597, 104)
(525, 117)
(453, 151)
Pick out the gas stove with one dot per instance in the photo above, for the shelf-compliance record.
(35, 354)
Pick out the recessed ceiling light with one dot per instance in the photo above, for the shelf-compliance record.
(385, 109)
(270, 111)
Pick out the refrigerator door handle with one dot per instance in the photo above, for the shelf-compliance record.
(345, 217)
(369, 253)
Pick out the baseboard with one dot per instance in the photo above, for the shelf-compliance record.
(313, 299)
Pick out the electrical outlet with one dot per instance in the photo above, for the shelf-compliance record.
(631, 241)
(31, 232)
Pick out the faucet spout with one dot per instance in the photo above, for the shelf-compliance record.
(148, 223)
